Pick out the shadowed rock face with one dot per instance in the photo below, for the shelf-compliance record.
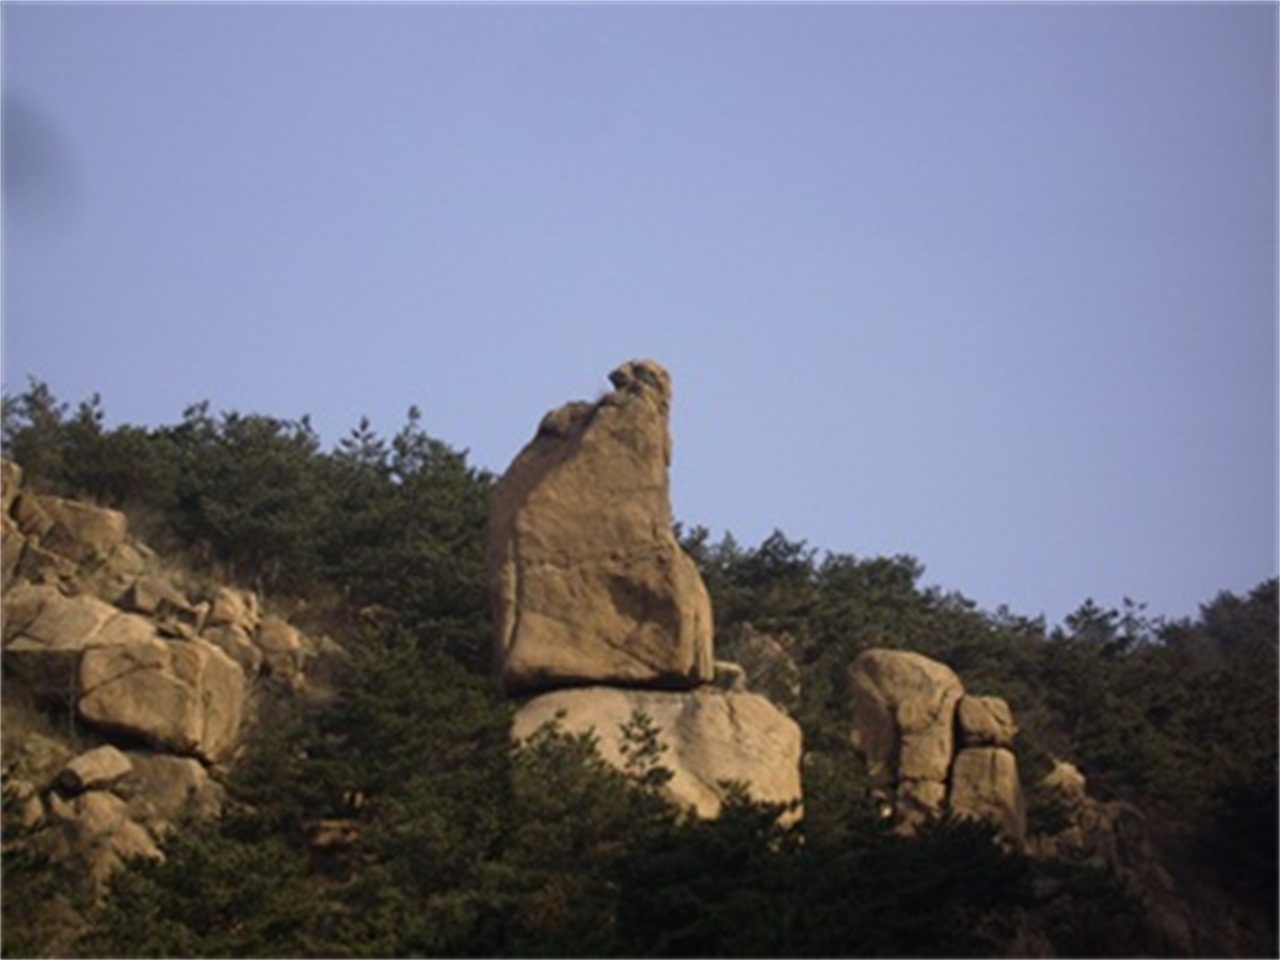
(588, 583)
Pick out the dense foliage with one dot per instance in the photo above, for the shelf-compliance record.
(397, 820)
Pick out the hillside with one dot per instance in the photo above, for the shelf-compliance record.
(372, 803)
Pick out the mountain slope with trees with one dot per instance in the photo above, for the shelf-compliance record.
(396, 819)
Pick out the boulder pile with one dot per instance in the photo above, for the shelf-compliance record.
(930, 747)
(153, 676)
(600, 615)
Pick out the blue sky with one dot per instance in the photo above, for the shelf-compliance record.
(993, 285)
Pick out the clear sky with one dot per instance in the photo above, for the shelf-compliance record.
(993, 285)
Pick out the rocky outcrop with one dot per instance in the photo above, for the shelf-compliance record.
(588, 583)
(156, 674)
(931, 748)
(903, 709)
(711, 738)
(601, 618)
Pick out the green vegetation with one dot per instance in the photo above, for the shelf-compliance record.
(395, 819)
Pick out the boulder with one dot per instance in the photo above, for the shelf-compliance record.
(1067, 782)
(173, 787)
(237, 644)
(282, 648)
(12, 544)
(42, 614)
(730, 676)
(46, 633)
(157, 597)
(985, 722)
(96, 835)
(96, 769)
(587, 580)
(79, 531)
(234, 608)
(985, 786)
(10, 484)
(29, 513)
(903, 707)
(710, 736)
(186, 697)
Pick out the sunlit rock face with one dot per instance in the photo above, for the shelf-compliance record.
(930, 747)
(587, 580)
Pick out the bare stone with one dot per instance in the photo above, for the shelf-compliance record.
(282, 648)
(10, 484)
(79, 531)
(237, 644)
(903, 707)
(235, 608)
(587, 580)
(710, 736)
(986, 722)
(184, 696)
(175, 786)
(97, 769)
(985, 786)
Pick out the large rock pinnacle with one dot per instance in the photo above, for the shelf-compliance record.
(587, 580)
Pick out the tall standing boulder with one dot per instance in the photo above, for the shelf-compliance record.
(932, 748)
(903, 707)
(587, 580)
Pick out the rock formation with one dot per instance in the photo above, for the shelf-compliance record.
(711, 736)
(588, 582)
(932, 748)
(156, 675)
(600, 616)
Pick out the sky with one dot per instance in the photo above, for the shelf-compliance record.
(990, 285)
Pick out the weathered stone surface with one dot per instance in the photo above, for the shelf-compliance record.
(730, 676)
(96, 769)
(184, 696)
(587, 581)
(12, 543)
(985, 722)
(38, 565)
(237, 644)
(903, 706)
(32, 518)
(282, 648)
(42, 614)
(10, 483)
(174, 787)
(985, 786)
(97, 835)
(46, 633)
(1066, 780)
(155, 597)
(235, 608)
(80, 531)
(711, 736)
